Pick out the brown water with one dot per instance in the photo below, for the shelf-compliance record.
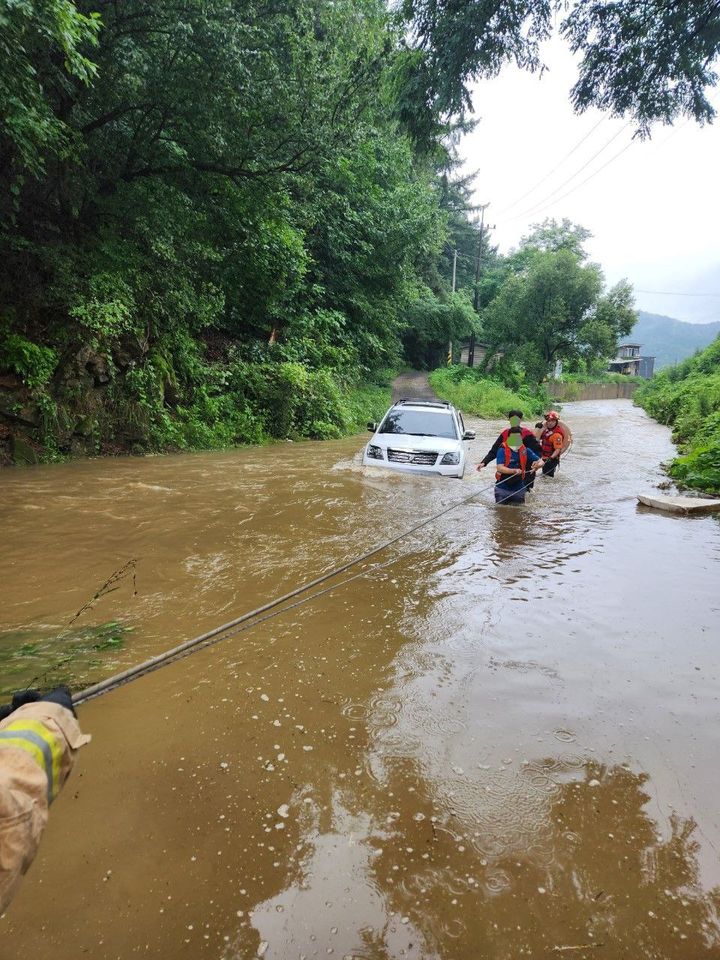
(504, 744)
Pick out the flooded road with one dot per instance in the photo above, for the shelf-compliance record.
(501, 745)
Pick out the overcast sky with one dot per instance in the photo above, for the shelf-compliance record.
(654, 210)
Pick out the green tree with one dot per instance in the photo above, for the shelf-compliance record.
(650, 61)
(552, 306)
(374, 231)
(432, 323)
(230, 195)
(43, 46)
(551, 236)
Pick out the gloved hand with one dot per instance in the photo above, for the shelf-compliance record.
(60, 695)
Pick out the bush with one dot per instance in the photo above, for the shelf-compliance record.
(687, 398)
(475, 393)
(700, 469)
(172, 397)
(364, 403)
(246, 402)
(35, 364)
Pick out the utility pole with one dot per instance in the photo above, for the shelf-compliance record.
(449, 355)
(476, 298)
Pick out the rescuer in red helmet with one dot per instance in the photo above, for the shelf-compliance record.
(552, 441)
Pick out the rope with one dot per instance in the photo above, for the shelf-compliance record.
(239, 624)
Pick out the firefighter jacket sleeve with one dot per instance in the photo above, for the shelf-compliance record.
(38, 743)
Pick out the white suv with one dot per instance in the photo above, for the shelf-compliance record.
(419, 436)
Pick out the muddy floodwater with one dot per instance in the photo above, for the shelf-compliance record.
(502, 741)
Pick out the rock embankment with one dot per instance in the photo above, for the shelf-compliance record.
(64, 417)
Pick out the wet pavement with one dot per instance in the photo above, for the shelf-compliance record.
(502, 744)
(413, 384)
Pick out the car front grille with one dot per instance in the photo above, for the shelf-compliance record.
(425, 458)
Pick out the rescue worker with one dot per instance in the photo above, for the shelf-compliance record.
(39, 737)
(528, 438)
(564, 430)
(552, 442)
(516, 465)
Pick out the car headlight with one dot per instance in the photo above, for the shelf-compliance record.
(375, 453)
(450, 458)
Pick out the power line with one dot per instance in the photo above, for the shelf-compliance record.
(593, 174)
(542, 203)
(675, 293)
(539, 206)
(554, 169)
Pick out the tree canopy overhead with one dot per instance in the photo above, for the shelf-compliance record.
(649, 61)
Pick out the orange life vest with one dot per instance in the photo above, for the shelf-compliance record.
(546, 440)
(507, 454)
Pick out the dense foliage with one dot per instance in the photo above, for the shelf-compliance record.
(687, 397)
(217, 218)
(214, 224)
(545, 304)
(474, 392)
(650, 61)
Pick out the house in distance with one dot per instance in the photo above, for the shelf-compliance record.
(629, 362)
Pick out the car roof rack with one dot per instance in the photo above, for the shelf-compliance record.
(422, 402)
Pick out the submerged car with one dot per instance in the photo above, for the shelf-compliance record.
(419, 436)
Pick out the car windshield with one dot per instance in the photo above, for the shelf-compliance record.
(420, 423)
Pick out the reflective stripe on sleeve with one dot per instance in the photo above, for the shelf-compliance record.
(36, 740)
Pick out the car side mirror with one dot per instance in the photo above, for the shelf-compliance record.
(469, 435)
(372, 426)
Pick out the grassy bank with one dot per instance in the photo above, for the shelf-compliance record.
(483, 396)
(687, 398)
(367, 402)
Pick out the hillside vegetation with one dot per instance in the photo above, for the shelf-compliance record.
(483, 396)
(218, 220)
(671, 341)
(687, 398)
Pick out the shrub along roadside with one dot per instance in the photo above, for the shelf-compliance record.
(475, 393)
(687, 398)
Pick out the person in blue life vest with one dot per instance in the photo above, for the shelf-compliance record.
(515, 468)
(529, 438)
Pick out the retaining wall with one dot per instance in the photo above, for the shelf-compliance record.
(590, 391)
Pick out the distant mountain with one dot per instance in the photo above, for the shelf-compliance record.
(670, 340)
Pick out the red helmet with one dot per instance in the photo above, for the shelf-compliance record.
(552, 415)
